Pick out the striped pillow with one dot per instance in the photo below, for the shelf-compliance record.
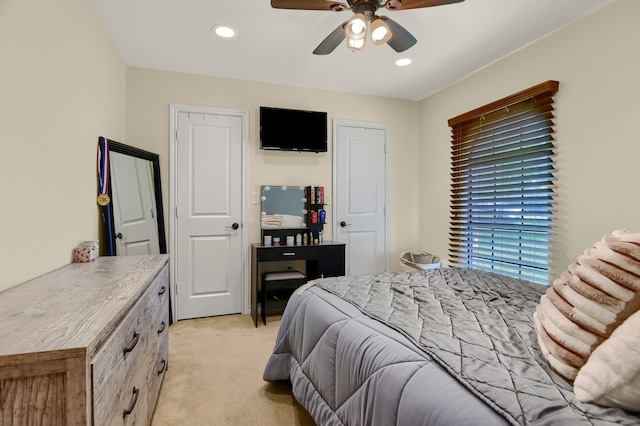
(581, 310)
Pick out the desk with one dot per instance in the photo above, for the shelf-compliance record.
(323, 260)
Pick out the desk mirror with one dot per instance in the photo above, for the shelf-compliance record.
(283, 207)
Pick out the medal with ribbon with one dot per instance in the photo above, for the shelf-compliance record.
(102, 163)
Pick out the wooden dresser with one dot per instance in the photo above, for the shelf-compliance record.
(85, 344)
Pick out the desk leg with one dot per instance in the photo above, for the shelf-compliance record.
(254, 286)
(263, 303)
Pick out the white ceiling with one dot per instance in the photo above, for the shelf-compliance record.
(275, 45)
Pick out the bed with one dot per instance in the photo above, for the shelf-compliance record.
(449, 346)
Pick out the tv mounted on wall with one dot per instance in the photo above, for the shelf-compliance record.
(293, 130)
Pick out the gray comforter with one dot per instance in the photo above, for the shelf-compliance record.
(443, 346)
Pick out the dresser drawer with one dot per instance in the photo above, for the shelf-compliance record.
(157, 318)
(120, 367)
(156, 314)
(130, 404)
(157, 372)
(286, 253)
(157, 322)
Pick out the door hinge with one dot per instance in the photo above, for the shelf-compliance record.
(176, 211)
(177, 138)
(176, 289)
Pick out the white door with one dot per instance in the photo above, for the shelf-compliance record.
(360, 199)
(134, 205)
(209, 193)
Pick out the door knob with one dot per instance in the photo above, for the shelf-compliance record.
(119, 235)
(234, 226)
(344, 224)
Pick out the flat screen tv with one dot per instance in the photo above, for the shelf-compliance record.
(293, 130)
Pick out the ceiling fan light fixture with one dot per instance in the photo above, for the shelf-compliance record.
(355, 44)
(357, 27)
(365, 20)
(380, 32)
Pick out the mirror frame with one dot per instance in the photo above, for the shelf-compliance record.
(109, 238)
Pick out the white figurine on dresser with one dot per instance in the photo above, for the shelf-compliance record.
(85, 344)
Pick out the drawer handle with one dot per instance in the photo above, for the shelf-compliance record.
(289, 254)
(136, 337)
(128, 411)
(164, 364)
(162, 291)
(162, 326)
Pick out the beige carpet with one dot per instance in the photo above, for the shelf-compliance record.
(215, 376)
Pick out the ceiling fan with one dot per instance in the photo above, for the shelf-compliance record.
(382, 28)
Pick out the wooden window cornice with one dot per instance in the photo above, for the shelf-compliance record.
(548, 87)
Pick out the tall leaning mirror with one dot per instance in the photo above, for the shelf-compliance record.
(133, 222)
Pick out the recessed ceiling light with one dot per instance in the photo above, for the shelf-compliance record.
(224, 31)
(403, 62)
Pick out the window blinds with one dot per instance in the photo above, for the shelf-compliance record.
(502, 195)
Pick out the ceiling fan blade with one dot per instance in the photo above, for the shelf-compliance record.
(307, 4)
(332, 41)
(401, 39)
(415, 4)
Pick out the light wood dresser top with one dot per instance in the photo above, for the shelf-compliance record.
(50, 312)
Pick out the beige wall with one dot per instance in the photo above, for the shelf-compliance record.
(598, 109)
(150, 92)
(62, 85)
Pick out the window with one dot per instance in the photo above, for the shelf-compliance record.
(502, 198)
